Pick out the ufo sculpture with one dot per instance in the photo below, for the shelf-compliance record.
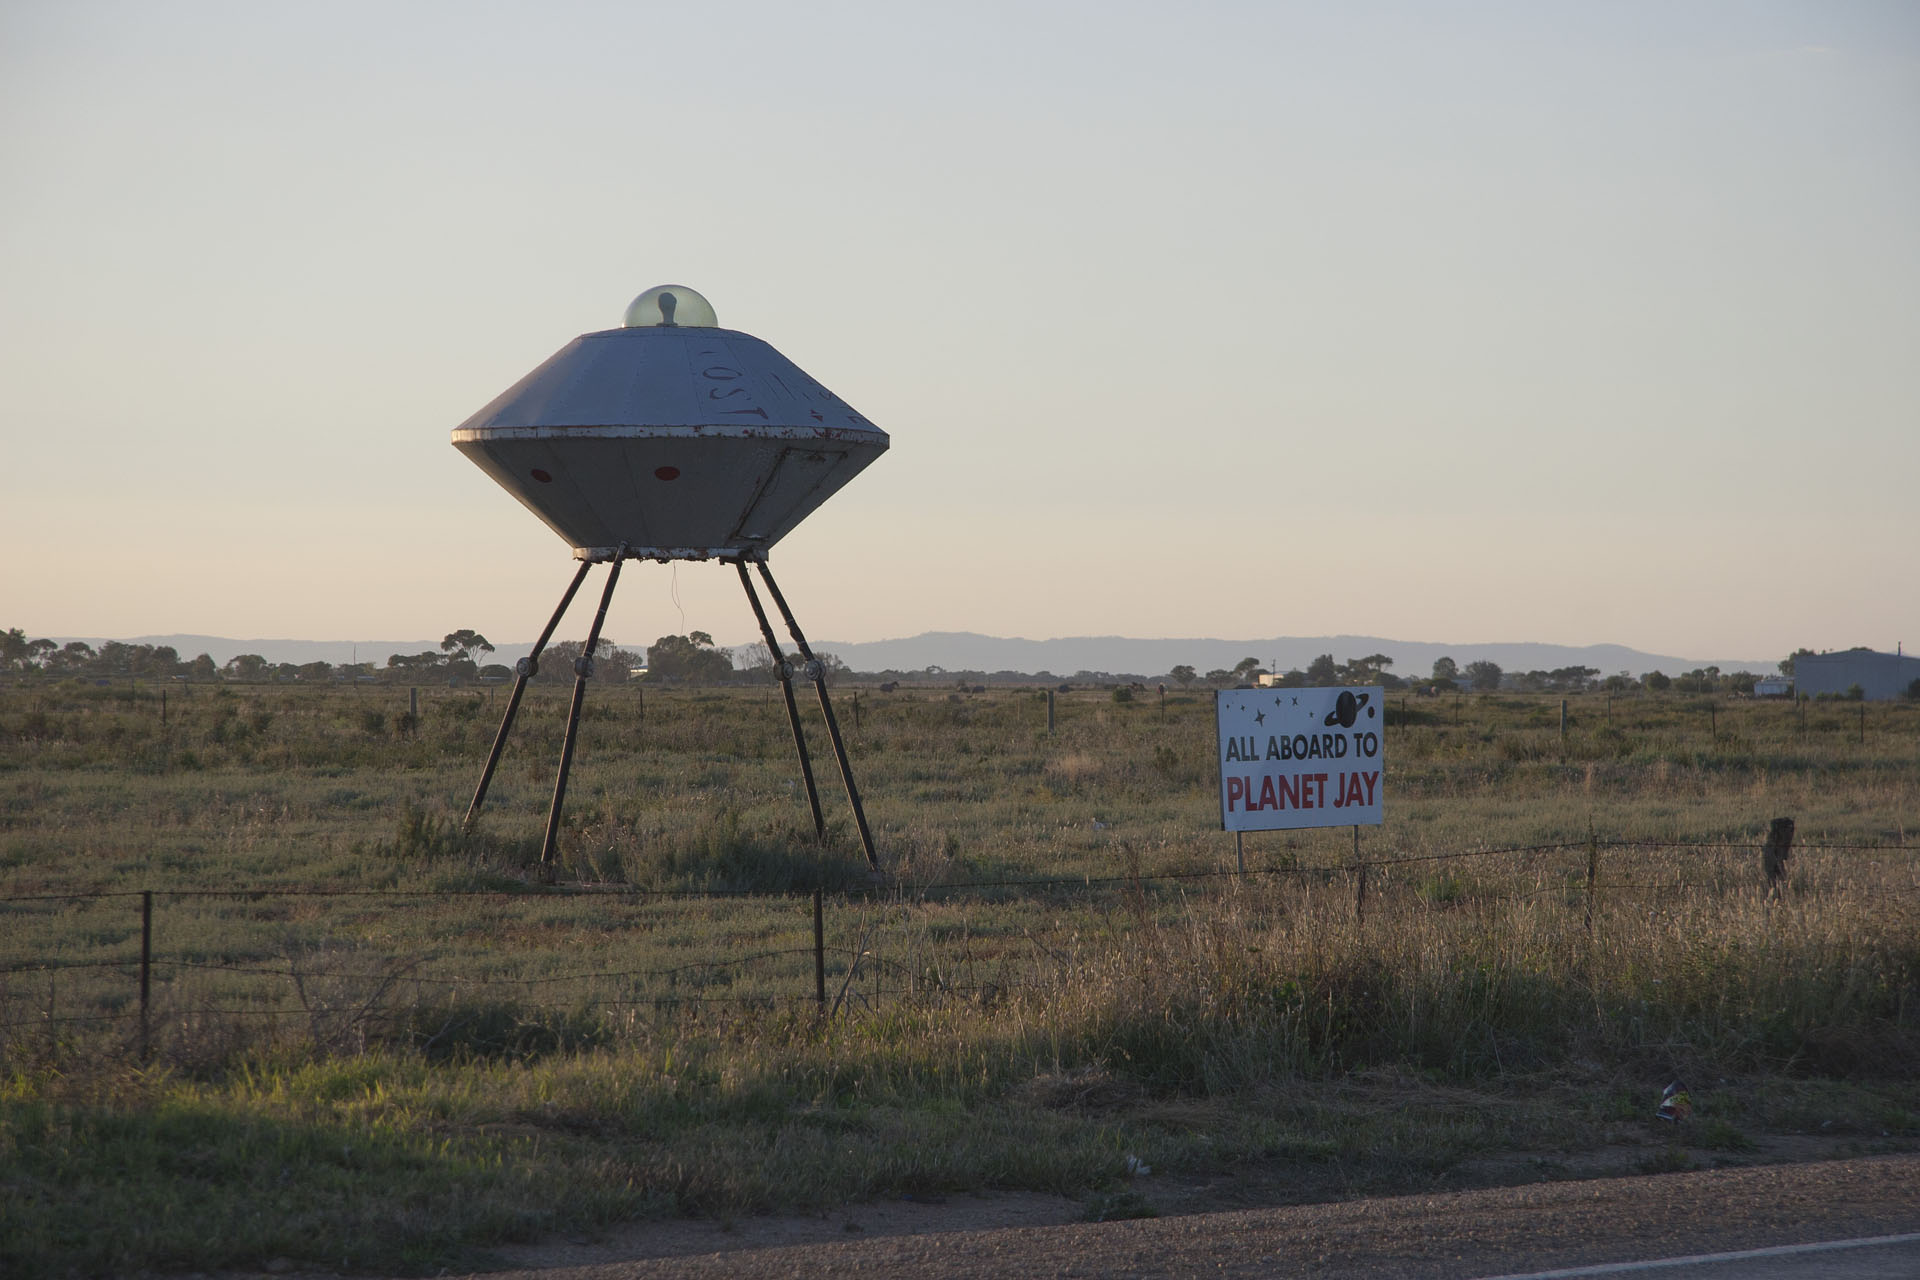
(671, 439)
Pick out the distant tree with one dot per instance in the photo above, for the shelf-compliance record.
(202, 668)
(1182, 675)
(71, 658)
(1741, 682)
(466, 645)
(754, 661)
(114, 658)
(15, 651)
(1913, 691)
(1246, 670)
(1786, 663)
(611, 663)
(415, 665)
(315, 671)
(246, 666)
(1219, 675)
(1618, 683)
(1445, 669)
(1483, 676)
(691, 658)
(1323, 671)
(1656, 681)
(1371, 669)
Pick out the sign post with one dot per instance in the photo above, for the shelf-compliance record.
(1299, 758)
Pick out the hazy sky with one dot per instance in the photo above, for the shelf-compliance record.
(1520, 321)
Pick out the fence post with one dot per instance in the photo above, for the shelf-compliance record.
(1049, 713)
(1775, 853)
(1240, 852)
(1863, 722)
(856, 711)
(1360, 883)
(1563, 719)
(1593, 875)
(1713, 722)
(146, 975)
(819, 956)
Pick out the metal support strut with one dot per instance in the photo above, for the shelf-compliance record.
(785, 673)
(524, 670)
(582, 668)
(819, 675)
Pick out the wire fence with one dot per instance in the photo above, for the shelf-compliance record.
(80, 959)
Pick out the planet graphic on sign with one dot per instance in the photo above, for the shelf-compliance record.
(1346, 709)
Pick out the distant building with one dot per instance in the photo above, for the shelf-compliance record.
(1772, 687)
(1881, 676)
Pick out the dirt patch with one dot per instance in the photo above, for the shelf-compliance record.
(914, 1215)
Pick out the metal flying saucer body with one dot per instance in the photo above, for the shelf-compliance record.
(672, 436)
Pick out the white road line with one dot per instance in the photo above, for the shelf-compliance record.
(1778, 1251)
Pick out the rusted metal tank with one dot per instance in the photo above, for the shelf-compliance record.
(671, 436)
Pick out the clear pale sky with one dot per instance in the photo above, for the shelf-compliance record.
(1566, 322)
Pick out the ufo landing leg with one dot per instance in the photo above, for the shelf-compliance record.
(524, 670)
(786, 688)
(582, 668)
(819, 675)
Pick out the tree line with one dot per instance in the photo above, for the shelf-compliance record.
(694, 658)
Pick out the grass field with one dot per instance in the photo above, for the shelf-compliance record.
(377, 1042)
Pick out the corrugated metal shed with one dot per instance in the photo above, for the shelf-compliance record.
(1881, 676)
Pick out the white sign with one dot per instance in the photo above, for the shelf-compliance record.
(1299, 758)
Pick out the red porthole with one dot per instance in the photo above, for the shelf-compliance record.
(541, 476)
(666, 473)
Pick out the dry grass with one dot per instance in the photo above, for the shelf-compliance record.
(339, 958)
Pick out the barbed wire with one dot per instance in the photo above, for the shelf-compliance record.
(533, 889)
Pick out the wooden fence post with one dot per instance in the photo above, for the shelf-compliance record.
(146, 975)
(819, 955)
(1775, 854)
(1049, 713)
(1360, 884)
(1593, 875)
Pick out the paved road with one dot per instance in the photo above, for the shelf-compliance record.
(1506, 1231)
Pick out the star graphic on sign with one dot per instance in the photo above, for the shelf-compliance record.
(1259, 717)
